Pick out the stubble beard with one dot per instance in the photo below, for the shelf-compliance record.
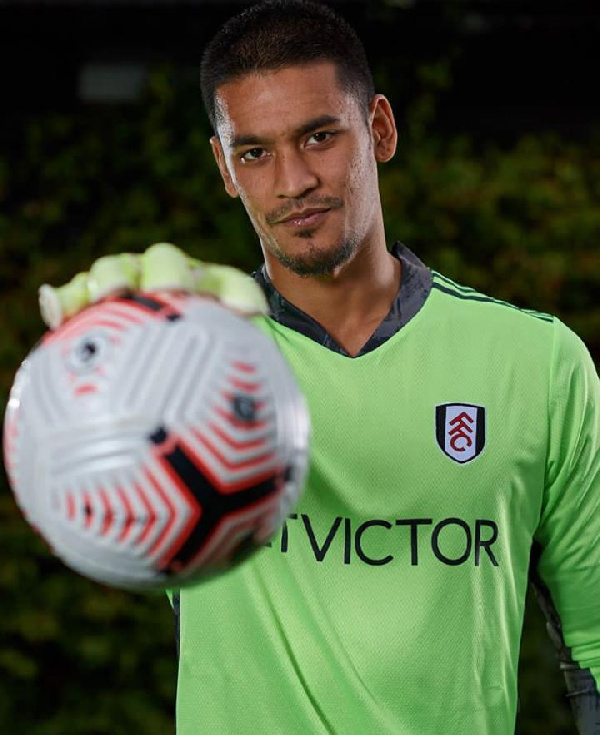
(315, 260)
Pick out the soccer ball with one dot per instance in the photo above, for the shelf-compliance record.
(154, 440)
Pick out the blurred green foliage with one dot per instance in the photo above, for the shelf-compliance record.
(521, 223)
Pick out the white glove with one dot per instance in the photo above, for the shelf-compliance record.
(162, 267)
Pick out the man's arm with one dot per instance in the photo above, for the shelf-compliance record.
(161, 267)
(582, 690)
(565, 569)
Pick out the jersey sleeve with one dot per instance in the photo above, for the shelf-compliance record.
(568, 561)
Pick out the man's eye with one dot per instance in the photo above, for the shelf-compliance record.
(253, 154)
(321, 137)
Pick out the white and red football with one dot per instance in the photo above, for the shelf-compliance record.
(155, 439)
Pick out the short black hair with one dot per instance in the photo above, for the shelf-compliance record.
(275, 34)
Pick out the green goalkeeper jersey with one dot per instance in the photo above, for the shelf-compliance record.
(463, 436)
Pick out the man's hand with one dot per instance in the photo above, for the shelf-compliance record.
(162, 267)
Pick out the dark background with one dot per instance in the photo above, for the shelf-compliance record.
(103, 148)
(519, 64)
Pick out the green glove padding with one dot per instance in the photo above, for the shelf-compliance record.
(162, 267)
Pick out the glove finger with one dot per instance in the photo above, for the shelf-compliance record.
(58, 304)
(165, 267)
(232, 287)
(113, 273)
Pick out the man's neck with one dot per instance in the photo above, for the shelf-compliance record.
(354, 299)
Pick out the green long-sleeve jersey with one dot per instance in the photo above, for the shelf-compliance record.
(392, 600)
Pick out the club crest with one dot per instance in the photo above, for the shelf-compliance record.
(460, 430)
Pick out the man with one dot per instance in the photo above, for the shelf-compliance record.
(455, 438)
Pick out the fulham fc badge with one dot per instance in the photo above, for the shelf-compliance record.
(460, 430)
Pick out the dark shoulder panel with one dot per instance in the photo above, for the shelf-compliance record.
(450, 287)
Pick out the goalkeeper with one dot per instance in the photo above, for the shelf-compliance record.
(455, 437)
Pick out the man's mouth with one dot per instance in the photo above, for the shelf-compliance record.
(304, 218)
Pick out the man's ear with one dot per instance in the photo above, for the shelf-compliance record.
(219, 155)
(383, 128)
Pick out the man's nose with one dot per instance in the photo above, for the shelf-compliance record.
(295, 177)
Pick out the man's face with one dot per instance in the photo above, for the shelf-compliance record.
(299, 152)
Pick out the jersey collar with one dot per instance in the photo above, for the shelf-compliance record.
(415, 287)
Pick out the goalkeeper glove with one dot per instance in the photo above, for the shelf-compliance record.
(162, 267)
